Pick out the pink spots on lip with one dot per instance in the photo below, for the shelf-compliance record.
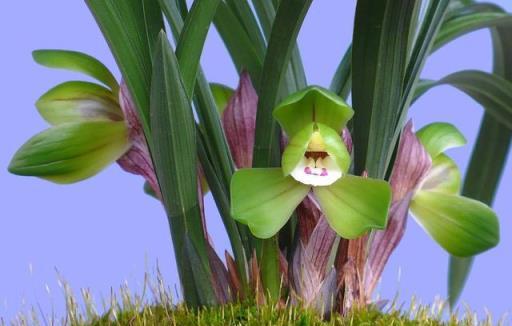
(308, 170)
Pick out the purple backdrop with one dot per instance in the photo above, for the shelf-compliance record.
(103, 232)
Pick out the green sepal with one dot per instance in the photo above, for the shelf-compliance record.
(221, 94)
(264, 199)
(77, 61)
(313, 104)
(444, 176)
(462, 226)
(77, 101)
(439, 136)
(71, 152)
(354, 205)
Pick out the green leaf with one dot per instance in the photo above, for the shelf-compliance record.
(175, 159)
(77, 61)
(462, 226)
(214, 154)
(285, 29)
(264, 199)
(313, 104)
(71, 152)
(199, 269)
(379, 57)
(131, 29)
(295, 78)
(245, 15)
(191, 41)
(429, 28)
(221, 197)
(487, 160)
(492, 91)
(467, 19)
(243, 52)
(174, 12)
(77, 101)
(354, 205)
(221, 94)
(342, 80)
(458, 272)
(444, 176)
(438, 137)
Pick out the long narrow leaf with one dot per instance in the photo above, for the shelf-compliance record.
(493, 92)
(245, 15)
(214, 153)
(174, 153)
(192, 38)
(487, 160)
(295, 78)
(381, 37)
(288, 21)
(131, 29)
(342, 80)
(429, 29)
(244, 53)
(463, 24)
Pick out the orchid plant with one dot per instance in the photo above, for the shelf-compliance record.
(314, 194)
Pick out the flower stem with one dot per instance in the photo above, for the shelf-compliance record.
(269, 265)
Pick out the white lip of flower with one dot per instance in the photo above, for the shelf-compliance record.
(316, 168)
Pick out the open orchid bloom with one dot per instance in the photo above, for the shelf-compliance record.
(462, 226)
(315, 159)
(92, 126)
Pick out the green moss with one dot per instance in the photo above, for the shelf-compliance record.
(267, 315)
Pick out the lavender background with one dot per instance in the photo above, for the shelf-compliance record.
(104, 232)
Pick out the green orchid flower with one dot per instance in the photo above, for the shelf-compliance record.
(316, 159)
(92, 125)
(462, 226)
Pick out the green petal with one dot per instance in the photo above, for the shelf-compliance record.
(296, 148)
(354, 205)
(462, 226)
(71, 152)
(221, 94)
(77, 61)
(439, 136)
(335, 147)
(264, 199)
(77, 101)
(444, 176)
(313, 104)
